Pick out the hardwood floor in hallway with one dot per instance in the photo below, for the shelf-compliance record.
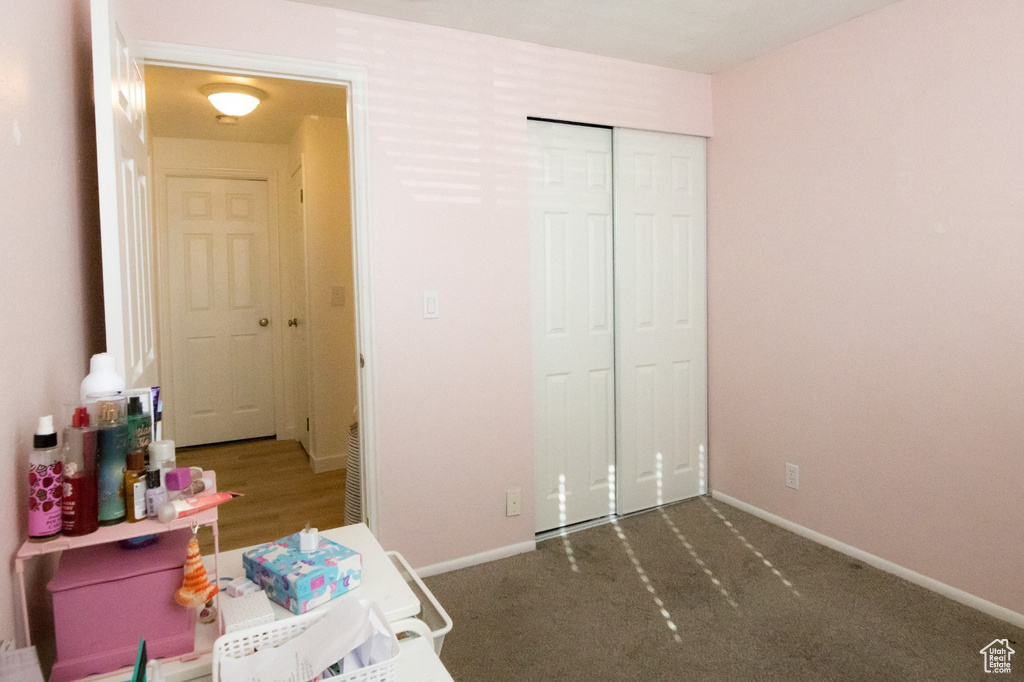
(281, 491)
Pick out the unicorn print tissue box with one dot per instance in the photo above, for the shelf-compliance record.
(300, 581)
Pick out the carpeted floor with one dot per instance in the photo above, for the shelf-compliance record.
(682, 594)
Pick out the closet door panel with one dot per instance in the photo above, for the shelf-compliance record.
(661, 318)
(573, 321)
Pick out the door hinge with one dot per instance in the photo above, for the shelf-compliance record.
(301, 196)
(307, 423)
(362, 362)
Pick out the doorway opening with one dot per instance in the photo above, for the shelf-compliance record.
(257, 293)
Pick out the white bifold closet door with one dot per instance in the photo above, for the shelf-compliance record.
(620, 352)
(661, 318)
(573, 324)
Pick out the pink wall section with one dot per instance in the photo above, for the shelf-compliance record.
(447, 173)
(51, 310)
(866, 288)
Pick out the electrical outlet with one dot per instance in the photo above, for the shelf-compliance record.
(792, 476)
(513, 500)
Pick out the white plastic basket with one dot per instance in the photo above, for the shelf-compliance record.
(244, 642)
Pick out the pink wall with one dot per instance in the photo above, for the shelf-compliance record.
(51, 312)
(447, 173)
(866, 287)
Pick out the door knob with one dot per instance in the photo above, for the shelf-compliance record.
(264, 322)
(294, 322)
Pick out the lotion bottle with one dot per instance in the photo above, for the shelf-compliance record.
(45, 482)
(135, 488)
(156, 495)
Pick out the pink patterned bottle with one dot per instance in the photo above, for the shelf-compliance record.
(45, 483)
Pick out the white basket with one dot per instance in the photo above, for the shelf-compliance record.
(244, 642)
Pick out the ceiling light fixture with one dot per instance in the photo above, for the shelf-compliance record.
(232, 99)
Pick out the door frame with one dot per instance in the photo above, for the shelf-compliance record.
(163, 281)
(356, 80)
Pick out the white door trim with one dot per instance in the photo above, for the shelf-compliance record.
(164, 285)
(355, 78)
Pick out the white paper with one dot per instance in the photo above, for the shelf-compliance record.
(20, 665)
(356, 633)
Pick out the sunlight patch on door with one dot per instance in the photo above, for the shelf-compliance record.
(569, 554)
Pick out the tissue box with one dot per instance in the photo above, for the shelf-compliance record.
(300, 581)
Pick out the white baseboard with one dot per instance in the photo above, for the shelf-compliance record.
(328, 463)
(957, 595)
(474, 559)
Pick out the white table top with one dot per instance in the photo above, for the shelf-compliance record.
(381, 582)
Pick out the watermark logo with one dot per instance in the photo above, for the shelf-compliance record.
(997, 656)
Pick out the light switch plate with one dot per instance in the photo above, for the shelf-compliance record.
(430, 305)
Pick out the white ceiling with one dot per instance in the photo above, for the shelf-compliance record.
(176, 108)
(705, 36)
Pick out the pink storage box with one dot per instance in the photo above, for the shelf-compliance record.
(105, 598)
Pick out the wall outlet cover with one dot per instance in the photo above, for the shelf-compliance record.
(792, 476)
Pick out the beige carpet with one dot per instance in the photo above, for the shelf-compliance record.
(682, 596)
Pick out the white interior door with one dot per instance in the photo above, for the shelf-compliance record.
(661, 317)
(219, 274)
(126, 234)
(298, 295)
(573, 324)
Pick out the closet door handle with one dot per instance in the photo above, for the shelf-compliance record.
(294, 322)
(264, 322)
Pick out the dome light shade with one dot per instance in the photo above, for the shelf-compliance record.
(233, 100)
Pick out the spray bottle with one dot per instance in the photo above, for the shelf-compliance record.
(79, 507)
(45, 481)
(111, 459)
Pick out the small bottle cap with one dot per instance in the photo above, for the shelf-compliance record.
(45, 436)
(178, 479)
(134, 405)
(166, 513)
(153, 478)
(161, 451)
(80, 419)
(102, 362)
(136, 461)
